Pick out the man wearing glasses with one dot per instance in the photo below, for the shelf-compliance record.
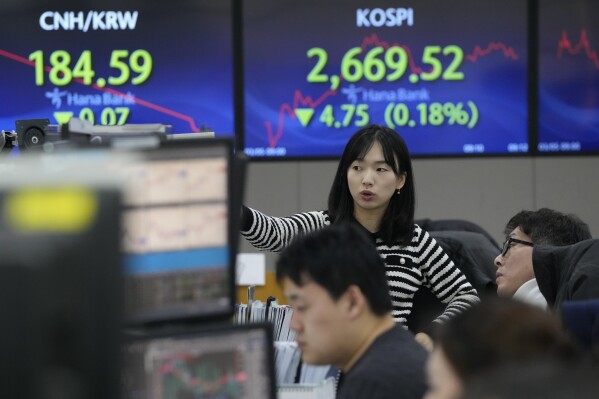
(515, 275)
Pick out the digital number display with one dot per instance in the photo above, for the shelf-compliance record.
(317, 71)
(568, 77)
(121, 62)
(61, 74)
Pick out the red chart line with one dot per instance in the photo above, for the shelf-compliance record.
(583, 44)
(136, 100)
(298, 98)
(372, 40)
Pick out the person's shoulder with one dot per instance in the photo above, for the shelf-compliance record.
(400, 334)
(400, 344)
(418, 234)
(393, 364)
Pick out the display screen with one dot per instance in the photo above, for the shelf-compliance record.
(60, 278)
(568, 76)
(115, 62)
(176, 235)
(451, 77)
(234, 362)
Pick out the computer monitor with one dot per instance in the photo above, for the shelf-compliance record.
(60, 279)
(113, 63)
(232, 361)
(177, 234)
(450, 76)
(568, 115)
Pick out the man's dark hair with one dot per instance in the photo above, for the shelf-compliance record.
(537, 379)
(549, 227)
(335, 258)
(501, 331)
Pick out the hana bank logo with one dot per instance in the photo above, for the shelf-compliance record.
(379, 17)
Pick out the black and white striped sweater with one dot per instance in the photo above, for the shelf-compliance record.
(422, 263)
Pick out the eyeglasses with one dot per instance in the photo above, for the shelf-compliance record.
(507, 244)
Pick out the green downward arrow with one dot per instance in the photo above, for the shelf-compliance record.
(63, 117)
(304, 115)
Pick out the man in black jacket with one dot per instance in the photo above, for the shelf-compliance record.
(567, 273)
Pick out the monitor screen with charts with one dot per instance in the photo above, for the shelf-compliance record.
(177, 232)
(115, 62)
(233, 362)
(568, 77)
(450, 77)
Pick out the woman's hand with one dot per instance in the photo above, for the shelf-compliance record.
(425, 340)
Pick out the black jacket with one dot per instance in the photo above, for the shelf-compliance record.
(473, 254)
(567, 273)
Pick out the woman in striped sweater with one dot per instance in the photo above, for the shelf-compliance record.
(374, 187)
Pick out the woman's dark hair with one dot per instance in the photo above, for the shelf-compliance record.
(397, 225)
